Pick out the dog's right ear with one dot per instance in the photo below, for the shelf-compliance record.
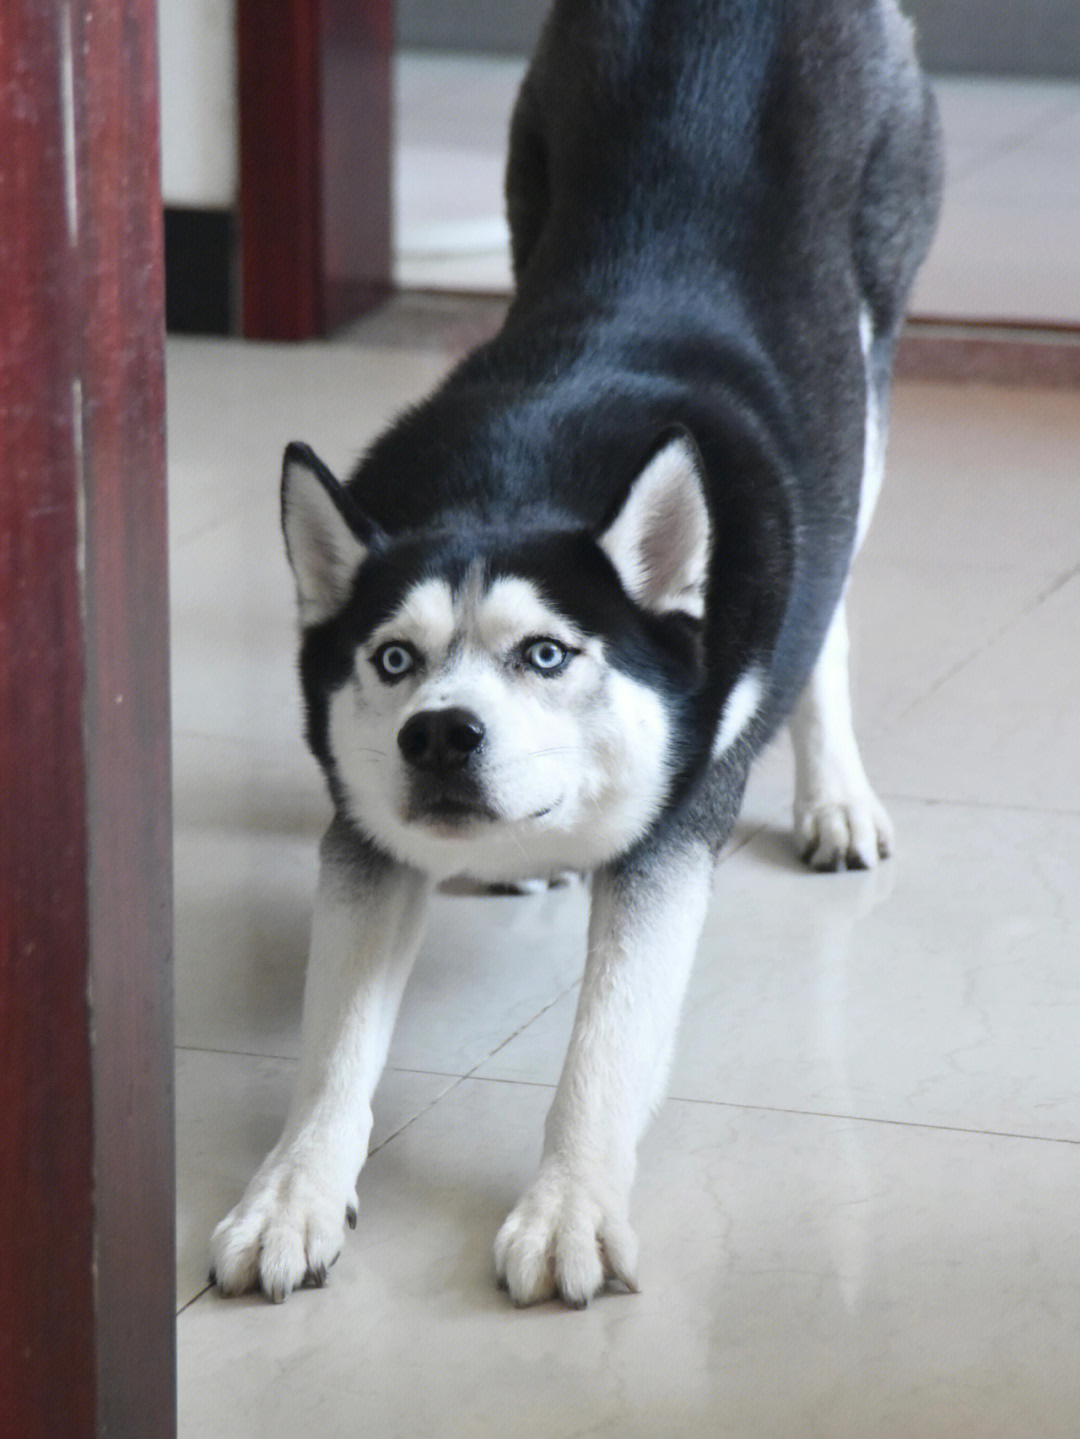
(325, 539)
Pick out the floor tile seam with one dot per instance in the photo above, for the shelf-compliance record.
(732, 848)
(229, 515)
(188, 1303)
(234, 1053)
(1060, 582)
(456, 1081)
(473, 1072)
(535, 1018)
(294, 1059)
(798, 1113)
(883, 725)
(922, 1125)
(898, 796)
(982, 648)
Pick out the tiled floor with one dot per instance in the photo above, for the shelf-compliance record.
(858, 1211)
(1008, 247)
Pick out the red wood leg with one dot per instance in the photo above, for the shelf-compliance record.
(86, 1159)
(315, 162)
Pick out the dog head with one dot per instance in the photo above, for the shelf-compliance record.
(497, 699)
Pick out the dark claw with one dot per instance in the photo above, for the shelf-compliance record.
(350, 1216)
(213, 1277)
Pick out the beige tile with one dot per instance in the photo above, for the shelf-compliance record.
(245, 866)
(1002, 729)
(979, 514)
(979, 476)
(800, 1275)
(234, 633)
(914, 623)
(230, 1109)
(242, 918)
(234, 406)
(894, 995)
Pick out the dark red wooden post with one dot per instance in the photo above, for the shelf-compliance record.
(86, 1156)
(314, 163)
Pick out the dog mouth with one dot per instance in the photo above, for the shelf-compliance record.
(452, 813)
(449, 806)
(447, 813)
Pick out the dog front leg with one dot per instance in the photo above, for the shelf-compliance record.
(288, 1227)
(570, 1232)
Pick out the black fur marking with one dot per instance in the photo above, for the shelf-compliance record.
(297, 453)
(704, 195)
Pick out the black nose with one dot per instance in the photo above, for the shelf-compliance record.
(440, 739)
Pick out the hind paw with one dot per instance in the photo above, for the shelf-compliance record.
(853, 832)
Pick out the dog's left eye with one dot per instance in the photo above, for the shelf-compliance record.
(546, 656)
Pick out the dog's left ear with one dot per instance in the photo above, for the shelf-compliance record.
(326, 540)
(659, 540)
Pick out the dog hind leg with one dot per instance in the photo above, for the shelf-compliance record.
(839, 821)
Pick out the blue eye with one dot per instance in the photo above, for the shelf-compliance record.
(394, 661)
(546, 656)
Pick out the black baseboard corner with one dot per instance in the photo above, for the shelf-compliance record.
(200, 270)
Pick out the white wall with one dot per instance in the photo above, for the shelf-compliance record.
(197, 47)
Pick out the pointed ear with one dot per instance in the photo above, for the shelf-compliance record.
(660, 539)
(322, 534)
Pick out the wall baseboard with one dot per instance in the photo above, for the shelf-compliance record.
(200, 271)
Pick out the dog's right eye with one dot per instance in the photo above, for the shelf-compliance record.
(394, 661)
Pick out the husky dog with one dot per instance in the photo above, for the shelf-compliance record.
(560, 606)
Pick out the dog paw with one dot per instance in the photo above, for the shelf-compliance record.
(853, 832)
(561, 1239)
(284, 1234)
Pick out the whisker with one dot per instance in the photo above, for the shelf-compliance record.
(536, 754)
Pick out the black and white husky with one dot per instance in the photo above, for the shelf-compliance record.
(558, 608)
